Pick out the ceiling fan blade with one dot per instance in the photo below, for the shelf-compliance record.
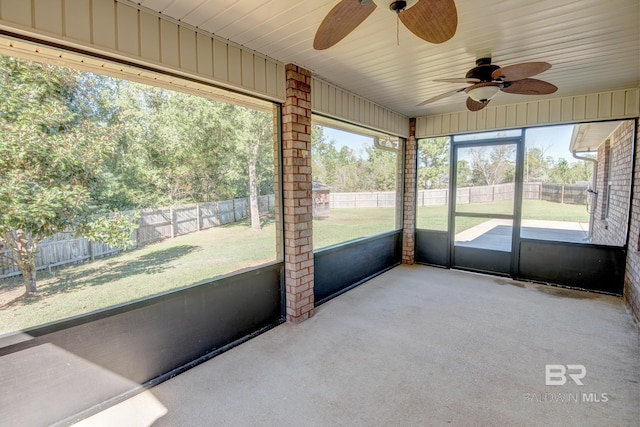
(520, 71)
(459, 80)
(474, 105)
(529, 87)
(432, 20)
(340, 21)
(441, 96)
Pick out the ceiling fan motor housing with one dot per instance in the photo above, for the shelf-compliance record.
(483, 70)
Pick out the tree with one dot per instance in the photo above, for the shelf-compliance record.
(494, 167)
(433, 163)
(536, 165)
(50, 163)
(254, 143)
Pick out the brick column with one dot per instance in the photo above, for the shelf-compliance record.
(409, 211)
(296, 191)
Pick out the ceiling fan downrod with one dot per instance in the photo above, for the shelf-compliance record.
(398, 6)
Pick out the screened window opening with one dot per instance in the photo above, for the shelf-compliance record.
(573, 177)
(113, 191)
(355, 184)
(432, 198)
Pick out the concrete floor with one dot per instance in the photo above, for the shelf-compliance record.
(496, 234)
(416, 346)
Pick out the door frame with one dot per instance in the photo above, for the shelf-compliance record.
(488, 261)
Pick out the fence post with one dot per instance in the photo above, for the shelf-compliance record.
(233, 208)
(172, 222)
(197, 216)
(562, 194)
(539, 191)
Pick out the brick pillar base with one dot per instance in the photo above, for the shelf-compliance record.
(297, 187)
(409, 211)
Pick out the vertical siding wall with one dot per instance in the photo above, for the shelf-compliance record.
(334, 102)
(610, 105)
(123, 32)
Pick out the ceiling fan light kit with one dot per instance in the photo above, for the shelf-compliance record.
(483, 92)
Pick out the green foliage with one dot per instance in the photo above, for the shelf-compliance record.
(345, 170)
(433, 163)
(50, 160)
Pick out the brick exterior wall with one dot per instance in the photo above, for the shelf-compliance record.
(297, 197)
(409, 208)
(632, 276)
(615, 158)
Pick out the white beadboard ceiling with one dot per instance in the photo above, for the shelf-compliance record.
(593, 45)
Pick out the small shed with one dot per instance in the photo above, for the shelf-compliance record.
(320, 196)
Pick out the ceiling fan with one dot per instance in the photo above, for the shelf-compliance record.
(488, 79)
(432, 20)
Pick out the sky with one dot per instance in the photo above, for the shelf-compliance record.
(352, 140)
(554, 140)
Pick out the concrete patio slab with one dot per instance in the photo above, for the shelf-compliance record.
(496, 233)
(418, 346)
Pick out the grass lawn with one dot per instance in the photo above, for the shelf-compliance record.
(197, 257)
(436, 217)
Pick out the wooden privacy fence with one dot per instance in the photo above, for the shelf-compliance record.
(154, 225)
(574, 194)
(560, 193)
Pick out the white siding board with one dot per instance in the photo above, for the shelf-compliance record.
(271, 74)
(16, 11)
(566, 109)
(511, 116)
(280, 80)
(632, 102)
(103, 20)
(169, 43)
(48, 15)
(446, 121)
(204, 52)
(604, 105)
(128, 31)
(543, 111)
(532, 112)
(248, 68)
(150, 37)
(521, 114)
(77, 20)
(260, 74)
(220, 60)
(592, 107)
(579, 108)
(234, 62)
(481, 120)
(501, 116)
(618, 103)
(188, 49)
(555, 110)
(462, 121)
